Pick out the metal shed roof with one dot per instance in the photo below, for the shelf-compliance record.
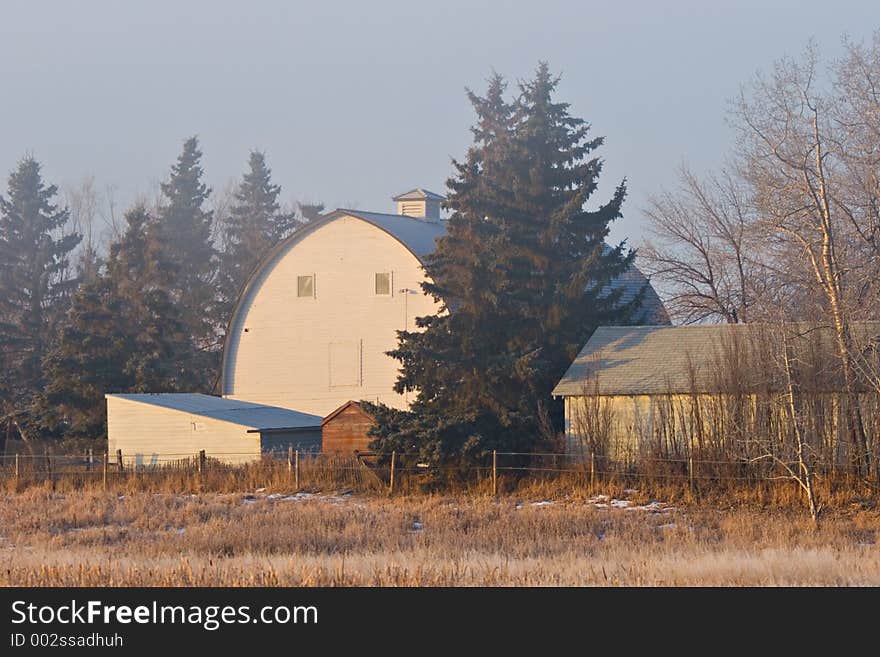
(640, 360)
(630, 283)
(258, 417)
(647, 360)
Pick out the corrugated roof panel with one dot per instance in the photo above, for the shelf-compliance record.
(645, 360)
(630, 283)
(248, 414)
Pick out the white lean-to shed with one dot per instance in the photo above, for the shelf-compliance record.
(155, 428)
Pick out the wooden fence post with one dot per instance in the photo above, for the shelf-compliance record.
(494, 472)
(296, 469)
(49, 469)
(89, 461)
(119, 460)
(202, 461)
(691, 471)
(391, 482)
(106, 461)
(17, 471)
(592, 472)
(289, 464)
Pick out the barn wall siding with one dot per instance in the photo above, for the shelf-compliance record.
(149, 434)
(347, 432)
(283, 347)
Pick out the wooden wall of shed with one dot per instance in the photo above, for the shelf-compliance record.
(626, 427)
(347, 432)
(149, 435)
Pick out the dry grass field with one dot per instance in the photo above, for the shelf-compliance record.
(87, 537)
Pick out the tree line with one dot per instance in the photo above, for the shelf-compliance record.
(522, 274)
(149, 315)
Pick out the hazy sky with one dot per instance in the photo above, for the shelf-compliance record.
(356, 101)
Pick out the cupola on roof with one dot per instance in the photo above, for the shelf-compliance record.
(419, 203)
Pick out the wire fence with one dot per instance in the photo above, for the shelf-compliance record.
(397, 472)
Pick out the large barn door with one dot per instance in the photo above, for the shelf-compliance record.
(346, 369)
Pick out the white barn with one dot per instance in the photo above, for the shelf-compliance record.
(313, 322)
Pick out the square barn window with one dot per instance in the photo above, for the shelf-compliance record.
(383, 284)
(305, 286)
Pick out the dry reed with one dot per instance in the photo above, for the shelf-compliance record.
(91, 538)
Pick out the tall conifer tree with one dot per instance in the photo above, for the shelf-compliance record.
(185, 227)
(522, 275)
(255, 223)
(124, 334)
(35, 285)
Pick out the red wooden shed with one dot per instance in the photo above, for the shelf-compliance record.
(344, 431)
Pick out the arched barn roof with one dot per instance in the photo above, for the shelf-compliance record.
(419, 236)
(416, 234)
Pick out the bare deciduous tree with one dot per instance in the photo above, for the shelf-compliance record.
(790, 152)
(83, 200)
(700, 249)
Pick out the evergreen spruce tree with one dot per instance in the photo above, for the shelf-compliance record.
(256, 222)
(522, 276)
(124, 334)
(35, 286)
(185, 227)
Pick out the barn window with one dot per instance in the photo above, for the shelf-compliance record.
(383, 284)
(305, 286)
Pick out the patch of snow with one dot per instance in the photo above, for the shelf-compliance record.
(297, 497)
(652, 507)
(260, 490)
(606, 502)
(416, 527)
(542, 503)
